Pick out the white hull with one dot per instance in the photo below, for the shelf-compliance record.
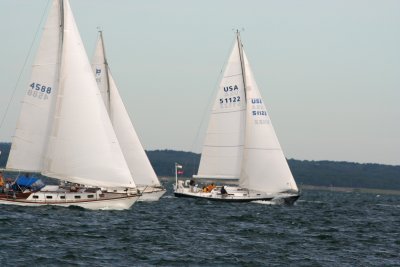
(237, 194)
(88, 198)
(151, 194)
(108, 204)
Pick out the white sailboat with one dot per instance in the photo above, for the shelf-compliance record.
(64, 131)
(241, 143)
(139, 165)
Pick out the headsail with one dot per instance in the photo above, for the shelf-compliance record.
(34, 123)
(100, 69)
(136, 158)
(83, 147)
(264, 165)
(223, 146)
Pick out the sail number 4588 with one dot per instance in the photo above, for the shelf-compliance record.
(38, 90)
(41, 88)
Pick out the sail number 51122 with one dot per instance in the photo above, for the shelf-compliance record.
(229, 100)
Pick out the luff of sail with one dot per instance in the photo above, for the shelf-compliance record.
(83, 147)
(264, 166)
(135, 156)
(34, 123)
(223, 146)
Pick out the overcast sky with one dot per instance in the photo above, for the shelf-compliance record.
(329, 71)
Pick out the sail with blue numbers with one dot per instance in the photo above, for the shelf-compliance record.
(222, 152)
(34, 123)
(264, 165)
(63, 130)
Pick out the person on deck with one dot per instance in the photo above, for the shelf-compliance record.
(1, 182)
(223, 191)
(8, 186)
(210, 187)
(191, 185)
(1, 179)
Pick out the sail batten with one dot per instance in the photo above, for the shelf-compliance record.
(233, 75)
(233, 111)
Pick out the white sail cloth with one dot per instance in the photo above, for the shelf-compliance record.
(135, 156)
(241, 141)
(223, 146)
(264, 166)
(81, 144)
(34, 123)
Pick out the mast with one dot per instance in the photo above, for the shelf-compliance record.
(61, 42)
(240, 46)
(107, 71)
(222, 151)
(46, 159)
(242, 64)
(176, 177)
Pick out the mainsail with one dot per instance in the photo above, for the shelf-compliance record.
(223, 146)
(136, 158)
(34, 123)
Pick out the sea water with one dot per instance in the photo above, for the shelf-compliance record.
(322, 229)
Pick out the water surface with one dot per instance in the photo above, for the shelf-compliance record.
(322, 229)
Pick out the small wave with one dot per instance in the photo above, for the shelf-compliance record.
(388, 205)
(265, 202)
(311, 201)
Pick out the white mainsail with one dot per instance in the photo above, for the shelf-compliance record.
(135, 156)
(223, 146)
(34, 123)
(81, 143)
(264, 166)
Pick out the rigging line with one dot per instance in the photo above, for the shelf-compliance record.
(24, 65)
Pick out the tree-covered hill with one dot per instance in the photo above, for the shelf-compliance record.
(320, 173)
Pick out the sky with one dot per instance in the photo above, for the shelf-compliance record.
(328, 71)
